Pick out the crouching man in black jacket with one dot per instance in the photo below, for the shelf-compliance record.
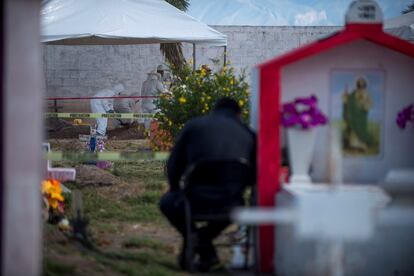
(220, 135)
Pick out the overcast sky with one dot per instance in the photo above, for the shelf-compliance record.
(282, 12)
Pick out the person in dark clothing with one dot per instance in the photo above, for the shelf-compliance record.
(220, 135)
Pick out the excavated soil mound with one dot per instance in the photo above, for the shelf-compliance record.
(110, 186)
(74, 145)
(127, 133)
(60, 129)
(90, 175)
(71, 145)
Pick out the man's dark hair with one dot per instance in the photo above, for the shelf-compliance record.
(227, 104)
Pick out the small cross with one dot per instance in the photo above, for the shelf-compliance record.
(61, 174)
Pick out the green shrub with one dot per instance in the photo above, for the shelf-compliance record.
(194, 93)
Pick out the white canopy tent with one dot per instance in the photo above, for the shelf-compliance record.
(401, 26)
(122, 22)
(115, 22)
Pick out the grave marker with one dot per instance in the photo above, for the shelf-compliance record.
(61, 174)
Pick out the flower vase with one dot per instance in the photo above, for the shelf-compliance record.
(301, 143)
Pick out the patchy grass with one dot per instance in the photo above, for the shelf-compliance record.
(142, 242)
(151, 171)
(141, 207)
(124, 231)
(139, 263)
(129, 234)
(52, 268)
(148, 198)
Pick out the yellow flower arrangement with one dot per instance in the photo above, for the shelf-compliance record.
(195, 93)
(160, 140)
(165, 96)
(77, 121)
(182, 100)
(53, 204)
(53, 192)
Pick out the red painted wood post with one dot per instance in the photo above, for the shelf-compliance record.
(268, 158)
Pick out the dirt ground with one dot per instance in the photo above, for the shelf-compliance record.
(129, 234)
(125, 145)
(61, 129)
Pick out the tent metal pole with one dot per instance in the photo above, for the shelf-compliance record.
(194, 57)
(224, 56)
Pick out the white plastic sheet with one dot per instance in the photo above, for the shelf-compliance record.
(401, 26)
(115, 22)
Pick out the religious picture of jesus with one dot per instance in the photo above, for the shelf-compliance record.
(357, 99)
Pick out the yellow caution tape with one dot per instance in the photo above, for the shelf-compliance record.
(99, 115)
(106, 156)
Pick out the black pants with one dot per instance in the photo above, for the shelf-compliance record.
(172, 206)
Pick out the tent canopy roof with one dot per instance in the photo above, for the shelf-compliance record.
(399, 21)
(114, 22)
(401, 26)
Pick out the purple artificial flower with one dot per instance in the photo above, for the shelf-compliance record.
(302, 112)
(311, 102)
(405, 116)
(289, 107)
(289, 115)
(104, 164)
(100, 145)
(305, 120)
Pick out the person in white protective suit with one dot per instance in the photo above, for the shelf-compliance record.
(164, 71)
(151, 87)
(125, 105)
(105, 106)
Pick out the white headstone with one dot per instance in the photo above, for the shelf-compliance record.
(364, 11)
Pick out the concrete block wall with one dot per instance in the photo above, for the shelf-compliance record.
(248, 46)
(82, 70)
(73, 71)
